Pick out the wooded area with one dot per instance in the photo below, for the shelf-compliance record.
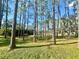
(50, 25)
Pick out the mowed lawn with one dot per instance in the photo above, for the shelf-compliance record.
(65, 49)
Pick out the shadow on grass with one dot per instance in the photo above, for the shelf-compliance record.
(44, 45)
(66, 43)
(6, 42)
(64, 39)
(33, 46)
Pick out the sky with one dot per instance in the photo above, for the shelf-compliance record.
(62, 9)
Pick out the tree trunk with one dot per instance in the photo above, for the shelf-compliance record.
(12, 43)
(78, 21)
(53, 26)
(59, 15)
(41, 26)
(68, 23)
(19, 33)
(35, 20)
(75, 20)
(0, 13)
(23, 27)
(24, 22)
(6, 18)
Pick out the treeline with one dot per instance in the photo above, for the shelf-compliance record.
(18, 32)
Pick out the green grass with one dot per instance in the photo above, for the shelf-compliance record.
(65, 49)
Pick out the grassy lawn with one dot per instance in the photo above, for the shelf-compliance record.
(65, 49)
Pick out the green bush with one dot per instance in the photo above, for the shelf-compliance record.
(2, 32)
(18, 32)
(40, 37)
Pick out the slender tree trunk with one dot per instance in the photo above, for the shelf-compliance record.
(27, 26)
(12, 43)
(23, 27)
(54, 37)
(58, 18)
(0, 13)
(75, 20)
(24, 22)
(28, 16)
(6, 17)
(41, 26)
(23, 31)
(19, 33)
(35, 20)
(43, 13)
(48, 25)
(44, 29)
(68, 22)
(78, 21)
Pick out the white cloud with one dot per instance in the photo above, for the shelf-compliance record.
(72, 3)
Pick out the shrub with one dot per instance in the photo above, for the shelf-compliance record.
(40, 37)
(29, 32)
(2, 32)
